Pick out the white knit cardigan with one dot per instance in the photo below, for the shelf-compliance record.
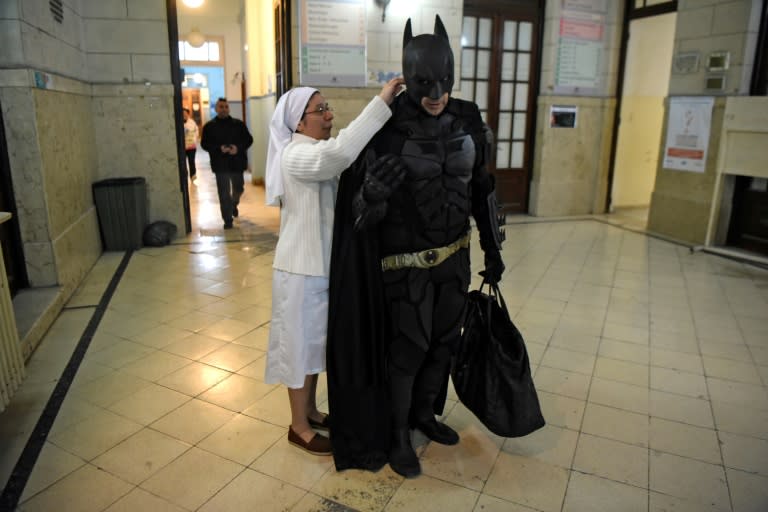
(310, 170)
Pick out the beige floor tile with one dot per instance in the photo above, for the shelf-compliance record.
(619, 395)
(273, 408)
(195, 346)
(736, 419)
(360, 490)
(681, 361)
(570, 360)
(492, 504)
(225, 308)
(67, 493)
(102, 340)
(236, 393)
(195, 321)
(139, 499)
(589, 493)
(251, 297)
(612, 459)
(73, 410)
(431, 495)
(193, 421)
(561, 411)
(527, 482)
(536, 333)
(164, 313)
(718, 334)
(628, 333)
(161, 336)
(242, 439)
(232, 357)
(689, 479)
(681, 383)
(616, 424)
(140, 456)
(228, 329)
(257, 338)
(726, 351)
(469, 463)
(252, 490)
(746, 395)
(110, 388)
(120, 353)
(95, 435)
(674, 341)
(314, 503)
(550, 444)
(749, 492)
(621, 371)
(126, 325)
(744, 453)
(624, 351)
(149, 403)
(192, 479)
(731, 370)
(685, 440)
(561, 382)
(291, 464)
(256, 369)
(681, 408)
(194, 378)
(665, 503)
(155, 365)
(52, 465)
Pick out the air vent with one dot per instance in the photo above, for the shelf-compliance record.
(57, 9)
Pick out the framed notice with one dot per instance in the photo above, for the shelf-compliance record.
(688, 128)
(580, 49)
(332, 43)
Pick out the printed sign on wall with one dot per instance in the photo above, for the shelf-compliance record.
(688, 128)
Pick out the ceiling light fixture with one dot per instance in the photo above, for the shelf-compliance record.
(195, 38)
(193, 3)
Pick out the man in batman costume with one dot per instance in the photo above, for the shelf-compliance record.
(400, 268)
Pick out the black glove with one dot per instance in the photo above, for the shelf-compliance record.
(494, 267)
(382, 177)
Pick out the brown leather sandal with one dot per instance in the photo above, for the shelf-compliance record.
(318, 445)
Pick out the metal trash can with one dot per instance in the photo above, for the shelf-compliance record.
(121, 205)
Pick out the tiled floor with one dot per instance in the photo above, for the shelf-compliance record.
(651, 364)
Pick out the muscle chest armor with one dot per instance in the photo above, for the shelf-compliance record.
(432, 206)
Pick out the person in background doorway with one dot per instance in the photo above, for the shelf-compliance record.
(303, 165)
(226, 140)
(191, 136)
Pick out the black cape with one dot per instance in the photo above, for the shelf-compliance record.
(358, 395)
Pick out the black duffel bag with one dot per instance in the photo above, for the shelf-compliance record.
(491, 371)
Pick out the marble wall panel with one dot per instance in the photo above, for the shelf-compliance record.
(76, 250)
(26, 162)
(135, 136)
(109, 68)
(37, 13)
(146, 9)
(103, 9)
(731, 17)
(65, 134)
(152, 68)
(9, 9)
(126, 36)
(11, 50)
(41, 264)
(50, 54)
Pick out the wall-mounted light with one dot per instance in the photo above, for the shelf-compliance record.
(195, 38)
(383, 4)
(194, 4)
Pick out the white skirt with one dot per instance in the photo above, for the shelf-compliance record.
(298, 328)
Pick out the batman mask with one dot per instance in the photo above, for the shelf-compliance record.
(427, 63)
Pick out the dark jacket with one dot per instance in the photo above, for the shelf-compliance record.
(224, 131)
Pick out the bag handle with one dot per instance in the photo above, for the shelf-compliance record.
(495, 292)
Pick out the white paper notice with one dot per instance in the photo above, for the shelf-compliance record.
(688, 128)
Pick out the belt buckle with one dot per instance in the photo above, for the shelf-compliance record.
(430, 257)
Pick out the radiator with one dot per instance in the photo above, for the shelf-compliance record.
(11, 362)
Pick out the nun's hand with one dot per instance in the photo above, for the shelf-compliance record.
(390, 89)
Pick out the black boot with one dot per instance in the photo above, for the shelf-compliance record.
(437, 431)
(402, 458)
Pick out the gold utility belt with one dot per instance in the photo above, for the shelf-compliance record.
(424, 259)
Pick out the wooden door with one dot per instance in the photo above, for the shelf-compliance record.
(499, 72)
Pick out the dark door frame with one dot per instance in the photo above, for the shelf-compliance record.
(176, 79)
(10, 232)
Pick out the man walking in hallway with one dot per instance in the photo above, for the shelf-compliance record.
(226, 140)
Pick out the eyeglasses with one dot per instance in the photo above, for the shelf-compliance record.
(321, 109)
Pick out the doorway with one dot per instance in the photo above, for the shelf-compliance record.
(499, 72)
(10, 236)
(645, 84)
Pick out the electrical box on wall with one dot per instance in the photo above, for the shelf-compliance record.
(718, 61)
(714, 83)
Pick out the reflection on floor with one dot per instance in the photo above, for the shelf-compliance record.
(651, 364)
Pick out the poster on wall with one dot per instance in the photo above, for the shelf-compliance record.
(688, 127)
(580, 47)
(332, 43)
